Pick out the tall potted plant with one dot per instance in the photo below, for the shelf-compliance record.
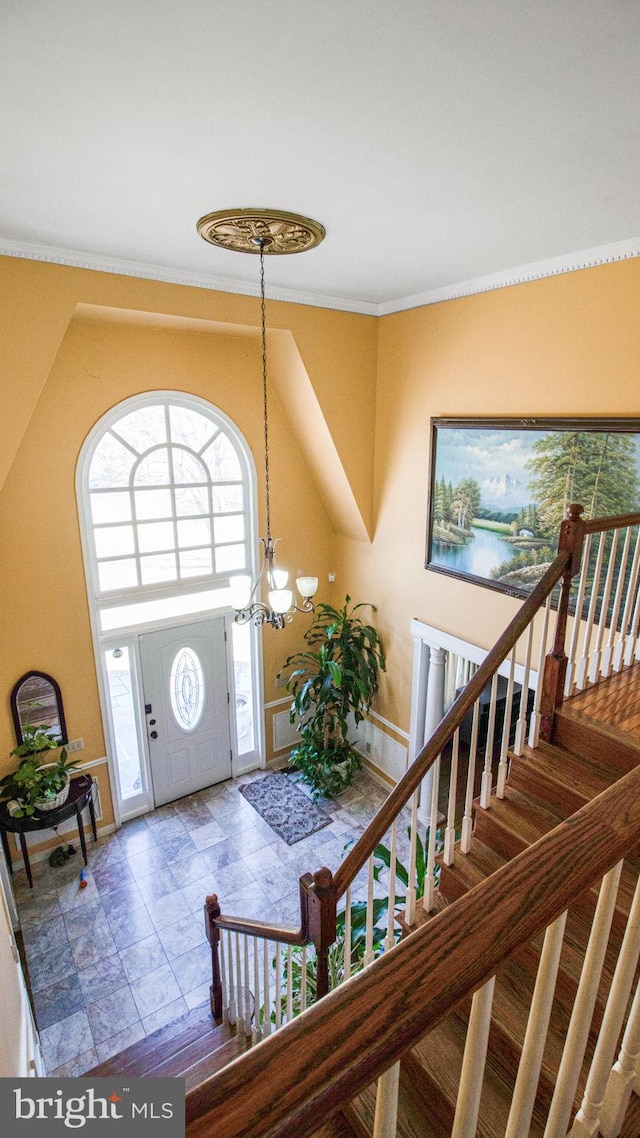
(333, 683)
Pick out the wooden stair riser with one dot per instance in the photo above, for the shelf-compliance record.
(549, 788)
(584, 740)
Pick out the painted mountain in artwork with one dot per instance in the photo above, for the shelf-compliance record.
(504, 492)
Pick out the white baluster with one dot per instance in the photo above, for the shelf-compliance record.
(239, 1004)
(303, 979)
(266, 983)
(347, 934)
(257, 1027)
(631, 651)
(368, 935)
(596, 655)
(467, 821)
(233, 1015)
(289, 984)
(624, 1078)
(577, 619)
(607, 657)
(390, 939)
(450, 831)
(524, 1094)
(386, 1117)
(506, 730)
(278, 1008)
(475, 1056)
(429, 895)
(575, 1045)
(521, 725)
(410, 909)
(581, 673)
(534, 725)
(487, 777)
(587, 1120)
(434, 711)
(247, 987)
(625, 624)
(223, 979)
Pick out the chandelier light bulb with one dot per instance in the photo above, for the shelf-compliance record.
(279, 578)
(240, 591)
(307, 587)
(280, 600)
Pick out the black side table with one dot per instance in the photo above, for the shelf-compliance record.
(80, 795)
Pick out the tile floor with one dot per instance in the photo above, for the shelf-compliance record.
(124, 956)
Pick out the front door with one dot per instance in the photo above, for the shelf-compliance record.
(184, 680)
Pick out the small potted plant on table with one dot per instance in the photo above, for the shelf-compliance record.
(37, 786)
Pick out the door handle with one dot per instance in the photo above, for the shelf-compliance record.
(154, 734)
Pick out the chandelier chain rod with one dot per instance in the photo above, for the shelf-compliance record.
(264, 389)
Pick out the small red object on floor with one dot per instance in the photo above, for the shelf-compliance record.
(83, 880)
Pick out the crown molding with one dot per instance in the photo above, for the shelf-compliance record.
(522, 274)
(102, 264)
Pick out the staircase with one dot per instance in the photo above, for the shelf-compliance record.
(502, 1010)
(545, 785)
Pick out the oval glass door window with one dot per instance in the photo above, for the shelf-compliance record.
(186, 689)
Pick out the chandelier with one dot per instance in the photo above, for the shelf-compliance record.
(265, 599)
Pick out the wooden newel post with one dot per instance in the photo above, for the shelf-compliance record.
(555, 665)
(211, 911)
(321, 901)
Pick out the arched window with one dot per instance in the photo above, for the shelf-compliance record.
(166, 493)
(169, 498)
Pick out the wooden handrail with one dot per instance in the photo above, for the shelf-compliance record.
(319, 1061)
(618, 521)
(445, 730)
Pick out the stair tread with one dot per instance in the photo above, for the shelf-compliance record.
(523, 813)
(587, 777)
(196, 1030)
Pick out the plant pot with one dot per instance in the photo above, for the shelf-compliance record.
(42, 805)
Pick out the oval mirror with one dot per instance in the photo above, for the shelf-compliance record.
(36, 701)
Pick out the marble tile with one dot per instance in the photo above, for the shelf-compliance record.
(84, 919)
(192, 968)
(42, 937)
(58, 1001)
(38, 910)
(276, 883)
(198, 996)
(207, 835)
(66, 1039)
(73, 897)
(54, 964)
(133, 841)
(247, 902)
(102, 979)
(76, 1066)
(195, 816)
(182, 935)
(160, 814)
(91, 948)
(190, 869)
(107, 851)
(128, 928)
(260, 860)
(177, 848)
(144, 862)
(117, 1010)
(157, 885)
(231, 878)
(122, 901)
(143, 957)
(168, 1014)
(120, 1040)
(112, 878)
(167, 828)
(194, 894)
(168, 909)
(154, 990)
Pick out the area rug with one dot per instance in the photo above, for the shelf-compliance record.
(289, 811)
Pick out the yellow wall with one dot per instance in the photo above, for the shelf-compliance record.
(122, 337)
(567, 345)
(77, 342)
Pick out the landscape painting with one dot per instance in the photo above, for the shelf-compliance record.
(499, 490)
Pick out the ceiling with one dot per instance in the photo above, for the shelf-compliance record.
(438, 141)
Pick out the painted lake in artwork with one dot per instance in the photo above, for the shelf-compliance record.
(499, 493)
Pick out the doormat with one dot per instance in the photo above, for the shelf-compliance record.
(289, 811)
